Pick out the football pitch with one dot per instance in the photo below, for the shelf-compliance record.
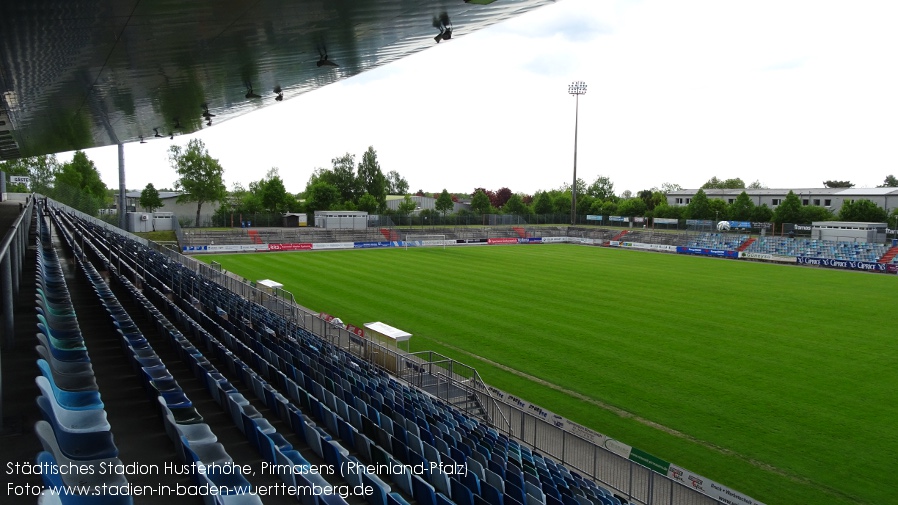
(778, 381)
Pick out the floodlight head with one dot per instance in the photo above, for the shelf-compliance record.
(577, 88)
(323, 61)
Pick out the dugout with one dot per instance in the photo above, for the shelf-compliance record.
(390, 338)
(849, 231)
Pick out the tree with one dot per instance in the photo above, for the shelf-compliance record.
(632, 207)
(646, 195)
(371, 179)
(21, 166)
(43, 171)
(757, 185)
(741, 208)
(515, 205)
(669, 187)
(272, 193)
(609, 208)
(406, 206)
(626, 195)
(715, 183)
(396, 184)
(838, 184)
(718, 209)
(78, 184)
(344, 178)
(321, 195)
(149, 198)
(480, 202)
(200, 176)
(811, 213)
(863, 211)
(890, 182)
(502, 196)
(698, 207)
(602, 188)
(789, 211)
(368, 204)
(444, 203)
(669, 211)
(542, 204)
(762, 214)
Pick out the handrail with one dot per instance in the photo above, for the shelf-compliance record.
(12, 258)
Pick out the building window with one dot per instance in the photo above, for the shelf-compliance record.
(827, 202)
(688, 200)
(817, 202)
(731, 200)
(679, 201)
(776, 201)
(804, 201)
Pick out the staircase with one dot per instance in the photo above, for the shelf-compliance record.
(619, 235)
(746, 244)
(254, 236)
(520, 231)
(391, 235)
(889, 255)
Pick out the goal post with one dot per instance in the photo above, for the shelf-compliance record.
(421, 240)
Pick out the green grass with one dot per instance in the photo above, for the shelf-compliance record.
(781, 380)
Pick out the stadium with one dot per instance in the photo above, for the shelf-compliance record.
(487, 365)
(581, 384)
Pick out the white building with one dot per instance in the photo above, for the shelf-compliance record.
(831, 198)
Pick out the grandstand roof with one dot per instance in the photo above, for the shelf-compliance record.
(76, 74)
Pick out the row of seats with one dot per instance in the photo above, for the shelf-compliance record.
(362, 413)
(74, 429)
(194, 440)
(718, 241)
(364, 408)
(199, 445)
(813, 248)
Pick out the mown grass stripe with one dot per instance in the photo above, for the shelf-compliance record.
(789, 367)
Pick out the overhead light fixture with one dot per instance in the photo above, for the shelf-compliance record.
(442, 24)
(324, 62)
(279, 93)
(250, 94)
(142, 141)
(157, 135)
(206, 114)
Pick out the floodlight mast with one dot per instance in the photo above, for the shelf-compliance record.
(576, 88)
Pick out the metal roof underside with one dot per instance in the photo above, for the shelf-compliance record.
(76, 74)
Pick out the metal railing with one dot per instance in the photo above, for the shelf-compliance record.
(12, 258)
(12, 255)
(450, 381)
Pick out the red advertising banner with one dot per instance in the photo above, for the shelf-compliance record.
(506, 240)
(327, 317)
(289, 247)
(355, 329)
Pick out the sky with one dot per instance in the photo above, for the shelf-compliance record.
(788, 93)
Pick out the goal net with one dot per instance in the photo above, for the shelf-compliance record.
(420, 240)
